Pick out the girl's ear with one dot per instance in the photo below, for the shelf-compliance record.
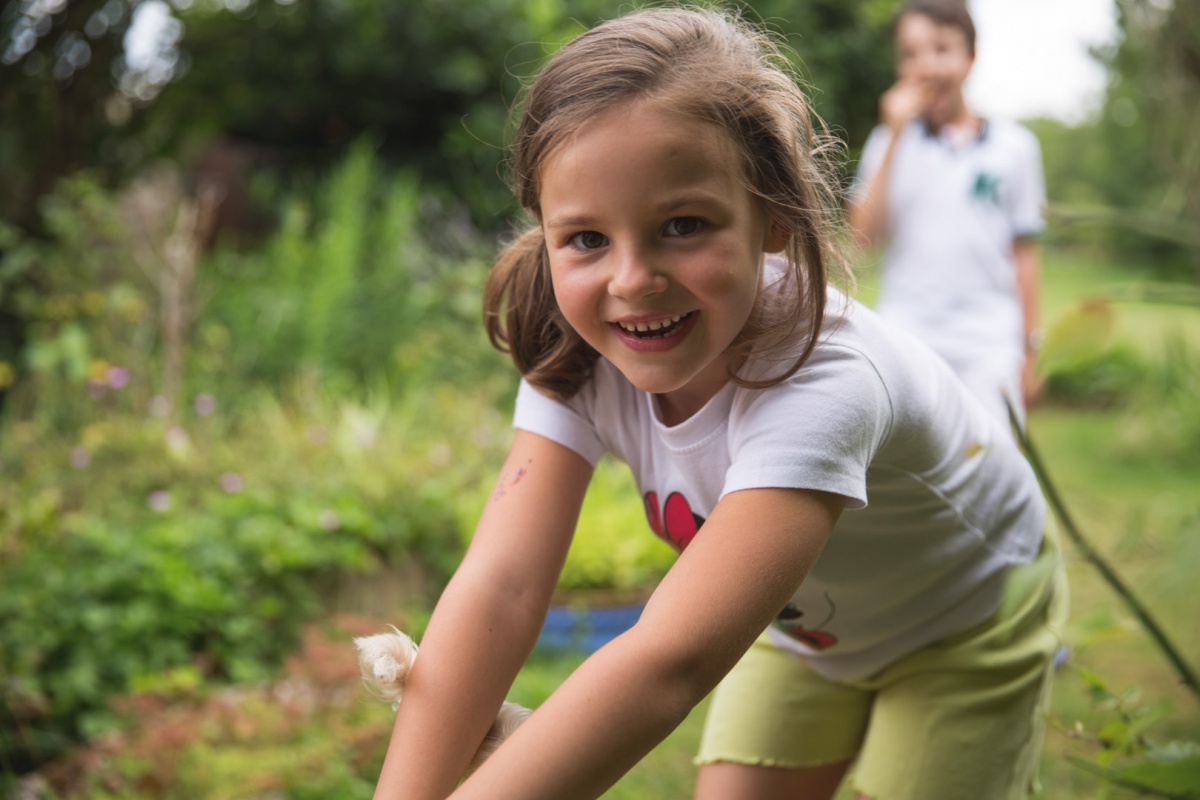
(776, 239)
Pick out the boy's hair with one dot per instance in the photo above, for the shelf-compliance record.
(949, 13)
(717, 70)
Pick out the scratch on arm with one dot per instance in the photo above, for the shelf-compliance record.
(503, 484)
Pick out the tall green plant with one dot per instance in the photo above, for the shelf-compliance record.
(350, 287)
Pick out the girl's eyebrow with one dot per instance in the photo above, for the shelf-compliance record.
(570, 221)
(667, 207)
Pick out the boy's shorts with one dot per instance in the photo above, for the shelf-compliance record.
(961, 719)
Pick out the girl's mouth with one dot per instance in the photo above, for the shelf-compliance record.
(659, 329)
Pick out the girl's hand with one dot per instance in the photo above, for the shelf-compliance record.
(904, 102)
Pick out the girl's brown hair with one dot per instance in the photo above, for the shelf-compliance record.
(715, 69)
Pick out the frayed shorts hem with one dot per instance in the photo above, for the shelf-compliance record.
(754, 761)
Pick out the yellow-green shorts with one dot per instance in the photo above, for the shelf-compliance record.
(961, 719)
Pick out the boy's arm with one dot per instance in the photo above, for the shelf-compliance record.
(867, 216)
(735, 576)
(868, 206)
(487, 620)
(1029, 277)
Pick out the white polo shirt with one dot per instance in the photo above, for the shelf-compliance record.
(953, 210)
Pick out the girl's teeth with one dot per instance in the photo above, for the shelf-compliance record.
(646, 327)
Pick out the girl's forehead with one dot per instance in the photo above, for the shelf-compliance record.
(626, 127)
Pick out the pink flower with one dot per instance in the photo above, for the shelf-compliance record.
(118, 377)
(159, 501)
(81, 457)
(205, 405)
(231, 482)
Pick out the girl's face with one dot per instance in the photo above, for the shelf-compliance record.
(936, 57)
(655, 249)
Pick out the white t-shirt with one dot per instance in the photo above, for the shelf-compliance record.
(953, 210)
(940, 501)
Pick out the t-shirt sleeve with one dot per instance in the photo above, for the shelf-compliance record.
(567, 423)
(1029, 189)
(868, 165)
(820, 430)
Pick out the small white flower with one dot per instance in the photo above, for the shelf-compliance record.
(159, 501)
(177, 438)
(159, 406)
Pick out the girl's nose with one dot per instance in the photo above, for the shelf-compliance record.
(636, 276)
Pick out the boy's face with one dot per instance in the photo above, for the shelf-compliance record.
(937, 58)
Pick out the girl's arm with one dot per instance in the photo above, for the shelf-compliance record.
(487, 620)
(735, 576)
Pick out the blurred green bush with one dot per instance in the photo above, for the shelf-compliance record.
(336, 407)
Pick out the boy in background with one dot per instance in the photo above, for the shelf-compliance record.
(956, 200)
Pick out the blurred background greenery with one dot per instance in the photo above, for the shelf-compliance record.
(247, 409)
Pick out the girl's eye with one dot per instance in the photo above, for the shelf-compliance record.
(588, 240)
(683, 226)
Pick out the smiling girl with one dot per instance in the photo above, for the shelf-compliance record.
(861, 547)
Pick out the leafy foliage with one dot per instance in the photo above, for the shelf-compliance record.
(1125, 756)
(1130, 176)
(147, 545)
(350, 286)
(309, 733)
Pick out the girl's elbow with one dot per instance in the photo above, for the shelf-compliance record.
(684, 671)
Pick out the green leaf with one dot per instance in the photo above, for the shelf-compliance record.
(1080, 334)
(1176, 779)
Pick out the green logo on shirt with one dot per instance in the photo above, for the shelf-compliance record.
(987, 188)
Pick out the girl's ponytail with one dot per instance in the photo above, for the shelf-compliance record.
(522, 318)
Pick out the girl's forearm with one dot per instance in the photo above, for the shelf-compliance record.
(610, 713)
(466, 665)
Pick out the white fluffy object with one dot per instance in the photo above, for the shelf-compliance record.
(385, 660)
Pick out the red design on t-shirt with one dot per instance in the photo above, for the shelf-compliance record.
(653, 516)
(677, 523)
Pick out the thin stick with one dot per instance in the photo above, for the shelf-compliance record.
(1186, 675)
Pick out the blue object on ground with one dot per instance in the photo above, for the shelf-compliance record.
(586, 630)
